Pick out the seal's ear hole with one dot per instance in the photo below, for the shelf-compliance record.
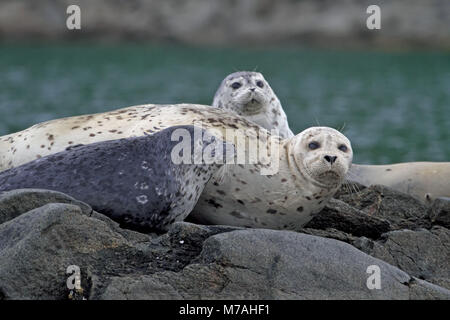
(314, 145)
(236, 85)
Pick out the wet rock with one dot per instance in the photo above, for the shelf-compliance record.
(329, 233)
(422, 253)
(440, 212)
(214, 262)
(15, 202)
(339, 215)
(422, 290)
(37, 247)
(399, 209)
(268, 264)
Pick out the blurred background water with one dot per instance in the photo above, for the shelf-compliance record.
(389, 89)
(393, 106)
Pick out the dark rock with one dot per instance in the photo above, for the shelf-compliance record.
(422, 253)
(183, 244)
(329, 233)
(268, 264)
(15, 202)
(339, 215)
(348, 189)
(401, 210)
(422, 290)
(440, 212)
(213, 262)
(38, 246)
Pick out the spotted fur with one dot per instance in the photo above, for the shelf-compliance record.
(131, 180)
(254, 99)
(235, 190)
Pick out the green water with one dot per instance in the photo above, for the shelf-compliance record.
(395, 106)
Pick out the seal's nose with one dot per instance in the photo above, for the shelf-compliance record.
(330, 159)
(252, 89)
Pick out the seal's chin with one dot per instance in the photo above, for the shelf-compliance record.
(252, 107)
(329, 177)
(251, 103)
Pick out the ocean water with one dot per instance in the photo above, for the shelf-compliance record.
(394, 107)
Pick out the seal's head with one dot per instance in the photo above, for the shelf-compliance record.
(245, 93)
(323, 155)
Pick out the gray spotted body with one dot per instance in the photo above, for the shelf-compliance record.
(288, 196)
(250, 200)
(132, 180)
(249, 95)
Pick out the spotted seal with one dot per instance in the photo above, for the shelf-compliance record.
(132, 180)
(424, 181)
(249, 95)
(310, 166)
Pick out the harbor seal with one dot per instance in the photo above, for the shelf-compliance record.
(56, 135)
(424, 181)
(311, 165)
(132, 180)
(249, 95)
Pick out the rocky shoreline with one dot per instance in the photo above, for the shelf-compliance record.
(43, 232)
(329, 23)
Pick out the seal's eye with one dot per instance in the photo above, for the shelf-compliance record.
(343, 148)
(313, 145)
(236, 85)
(260, 84)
